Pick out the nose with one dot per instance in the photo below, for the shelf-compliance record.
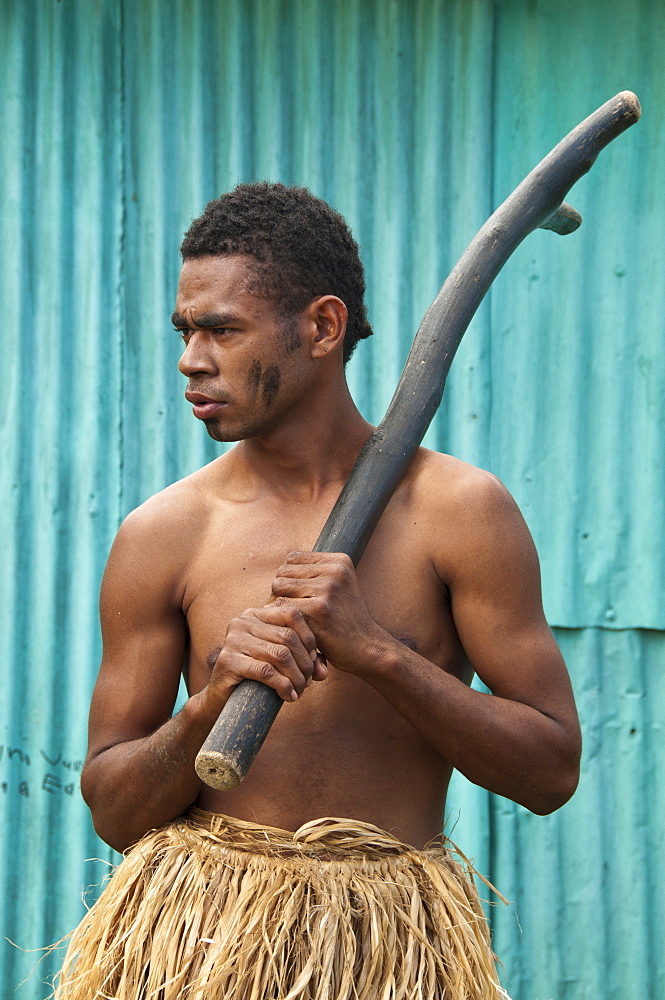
(197, 357)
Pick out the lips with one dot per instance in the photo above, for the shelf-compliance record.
(204, 407)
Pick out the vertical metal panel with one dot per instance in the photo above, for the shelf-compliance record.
(578, 323)
(59, 163)
(119, 122)
(588, 913)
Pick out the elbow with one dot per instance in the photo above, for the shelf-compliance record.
(104, 814)
(111, 836)
(560, 772)
(558, 786)
(556, 795)
(108, 831)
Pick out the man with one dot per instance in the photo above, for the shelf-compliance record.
(236, 900)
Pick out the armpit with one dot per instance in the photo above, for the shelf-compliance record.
(407, 640)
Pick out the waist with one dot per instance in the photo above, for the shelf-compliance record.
(326, 837)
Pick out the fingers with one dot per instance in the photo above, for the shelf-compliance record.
(273, 645)
(320, 671)
(296, 586)
(281, 646)
(282, 610)
(288, 616)
(318, 557)
(288, 684)
(318, 575)
(311, 564)
(325, 587)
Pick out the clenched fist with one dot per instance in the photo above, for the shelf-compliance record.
(324, 587)
(274, 645)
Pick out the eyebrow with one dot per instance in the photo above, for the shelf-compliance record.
(205, 320)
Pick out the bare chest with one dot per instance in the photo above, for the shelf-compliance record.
(238, 553)
(344, 720)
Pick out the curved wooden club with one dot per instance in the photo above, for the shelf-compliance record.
(243, 725)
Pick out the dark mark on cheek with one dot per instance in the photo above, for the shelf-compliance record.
(254, 376)
(271, 380)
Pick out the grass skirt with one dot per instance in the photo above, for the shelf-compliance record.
(213, 908)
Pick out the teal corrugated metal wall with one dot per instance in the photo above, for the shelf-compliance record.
(119, 121)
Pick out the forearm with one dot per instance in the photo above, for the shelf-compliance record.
(505, 746)
(135, 786)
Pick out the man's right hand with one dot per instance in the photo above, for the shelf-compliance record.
(273, 645)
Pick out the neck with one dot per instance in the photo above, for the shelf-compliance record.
(313, 450)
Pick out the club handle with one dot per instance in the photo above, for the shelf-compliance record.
(238, 735)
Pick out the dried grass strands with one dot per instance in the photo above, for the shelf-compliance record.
(213, 908)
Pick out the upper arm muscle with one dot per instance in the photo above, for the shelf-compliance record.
(492, 571)
(144, 636)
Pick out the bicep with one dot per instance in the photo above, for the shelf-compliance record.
(144, 636)
(494, 581)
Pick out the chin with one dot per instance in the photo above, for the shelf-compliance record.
(225, 433)
(221, 434)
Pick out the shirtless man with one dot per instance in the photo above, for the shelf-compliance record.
(216, 572)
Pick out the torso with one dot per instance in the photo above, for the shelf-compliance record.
(342, 750)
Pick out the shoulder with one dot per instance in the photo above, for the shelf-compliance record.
(169, 515)
(467, 513)
(441, 484)
(158, 537)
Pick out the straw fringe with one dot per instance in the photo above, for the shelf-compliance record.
(213, 908)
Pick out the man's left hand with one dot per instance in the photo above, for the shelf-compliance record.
(324, 587)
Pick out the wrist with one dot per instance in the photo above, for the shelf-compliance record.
(381, 655)
(203, 709)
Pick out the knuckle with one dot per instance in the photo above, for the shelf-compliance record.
(264, 671)
(231, 646)
(282, 654)
(289, 637)
(234, 633)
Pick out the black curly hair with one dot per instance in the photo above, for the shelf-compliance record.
(303, 249)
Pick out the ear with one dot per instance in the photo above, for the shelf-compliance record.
(327, 316)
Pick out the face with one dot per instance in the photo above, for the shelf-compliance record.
(248, 368)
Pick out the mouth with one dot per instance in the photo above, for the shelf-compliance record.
(204, 407)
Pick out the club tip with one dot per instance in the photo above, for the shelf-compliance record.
(630, 104)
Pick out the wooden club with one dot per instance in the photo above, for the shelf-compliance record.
(538, 202)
